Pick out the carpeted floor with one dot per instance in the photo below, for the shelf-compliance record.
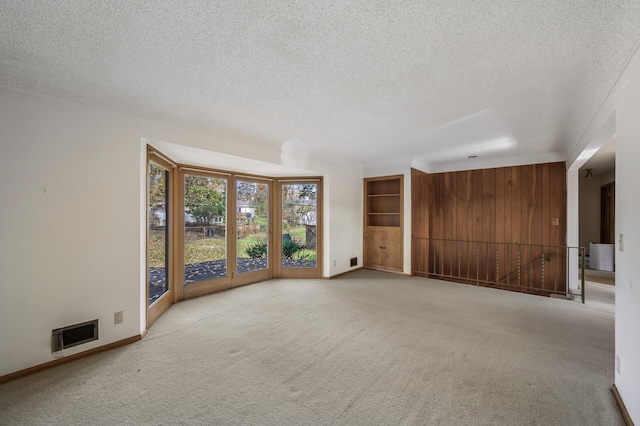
(368, 348)
(602, 277)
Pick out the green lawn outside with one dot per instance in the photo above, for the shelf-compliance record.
(201, 249)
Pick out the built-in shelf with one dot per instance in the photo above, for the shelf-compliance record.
(383, 204)
(383, 223)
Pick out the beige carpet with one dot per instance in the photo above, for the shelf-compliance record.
(366, 349)
(602, 277)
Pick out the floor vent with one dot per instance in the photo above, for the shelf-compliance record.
(354, 261)
(74, 335)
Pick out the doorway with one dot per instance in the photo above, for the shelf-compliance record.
(608, 213)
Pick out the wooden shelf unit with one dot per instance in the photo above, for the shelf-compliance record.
(383, 203)
(383, 216)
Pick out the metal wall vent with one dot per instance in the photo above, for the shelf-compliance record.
(74, 335)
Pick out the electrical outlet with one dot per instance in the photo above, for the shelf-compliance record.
(618, 364)
(621, 242)
(118, 317)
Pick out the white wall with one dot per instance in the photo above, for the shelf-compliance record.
(572, 231)
(74, 252)
(343, 216)
(627, 264)
(619, 115)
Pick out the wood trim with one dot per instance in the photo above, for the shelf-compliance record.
(252, 277)
(299, 179)
(214, 285)
(56, 362)
(621, 406)
(279, 271)
(388, 271)
(202, 288)
(154, 152)
(159, 307)
(342, 274)
(227, 173)
(156, 309)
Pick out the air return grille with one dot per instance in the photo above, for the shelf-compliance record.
(74, 335)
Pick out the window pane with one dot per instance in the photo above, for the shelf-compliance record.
(299, 214)
(158, 231)
(252, 228)
(205, 228)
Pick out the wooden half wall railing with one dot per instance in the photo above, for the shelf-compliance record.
(528, 268)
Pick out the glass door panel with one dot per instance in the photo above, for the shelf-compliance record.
(158, 232)
(205, 228)
(299, 225)
(252, 227)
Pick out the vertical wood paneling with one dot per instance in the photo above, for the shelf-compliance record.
(477, 205)
(527, 253)
(446, 206)
(500, 221)
(489, 219)
(535, 219)
(520, 253)
(420, 212)
(477, 218)
(535, 204)
(508, 197)
(505, 205)
(462, 223)
(557, 209)
(469, 198)
(438, 196)
(428, 189)
(454, 205)
(553, 269)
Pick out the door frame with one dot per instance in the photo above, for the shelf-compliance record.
(262, 274)
(316, 272)
(160, 306)
(201, 288)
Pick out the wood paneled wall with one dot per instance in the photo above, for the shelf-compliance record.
(505, 205)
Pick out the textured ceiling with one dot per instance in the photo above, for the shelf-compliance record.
(217, 160)
(381, 82)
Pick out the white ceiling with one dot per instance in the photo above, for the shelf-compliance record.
(218, 160)
(385, 83)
